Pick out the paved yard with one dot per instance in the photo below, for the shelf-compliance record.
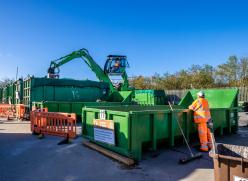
(23, 157)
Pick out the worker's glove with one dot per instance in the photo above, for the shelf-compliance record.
(210, 124)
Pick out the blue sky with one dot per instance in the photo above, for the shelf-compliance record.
(156, 36)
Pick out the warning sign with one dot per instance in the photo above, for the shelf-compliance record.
(104, 131)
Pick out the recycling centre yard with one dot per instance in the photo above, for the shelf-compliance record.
(24, 157)
(123, 90)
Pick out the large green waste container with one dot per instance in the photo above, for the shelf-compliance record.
(1, 95)
(11, 93)
(44, 89)
(5, 95)
(70, 107)
(137, 127)
(8, 94)
(150, 97)
(18, 92)
(223, 105)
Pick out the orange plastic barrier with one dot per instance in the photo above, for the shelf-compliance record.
(20, 111)
(53, 123)
(7, 111)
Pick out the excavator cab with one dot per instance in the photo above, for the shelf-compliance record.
(115, 65)
(53, 71)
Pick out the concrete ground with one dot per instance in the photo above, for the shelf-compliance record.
(23, 157)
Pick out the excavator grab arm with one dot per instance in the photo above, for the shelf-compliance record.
(53, 71)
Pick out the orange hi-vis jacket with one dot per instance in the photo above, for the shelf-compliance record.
(201, 110)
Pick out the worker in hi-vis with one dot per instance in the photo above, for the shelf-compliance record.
(201, 117)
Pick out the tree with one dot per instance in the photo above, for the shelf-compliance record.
(5, 81)
(243, 67)
(138, 82)
(232, 73)
(228, 73)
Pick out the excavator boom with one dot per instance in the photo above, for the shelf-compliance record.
(102, 75)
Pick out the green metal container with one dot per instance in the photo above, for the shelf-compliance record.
(44, 89)
(223, 105)
(11, 93)
(1, 95)
(137, 127)
(18, 91)
(5, 95)
(150, 97)
(8, 94)
(71, 107)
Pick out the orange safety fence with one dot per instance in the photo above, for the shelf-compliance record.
(7, 111)
(53, 123)
(20, 111)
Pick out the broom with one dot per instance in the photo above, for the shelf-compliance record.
(192, 156)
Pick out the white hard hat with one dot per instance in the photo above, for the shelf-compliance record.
(201, 94)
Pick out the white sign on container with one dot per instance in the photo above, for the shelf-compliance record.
(104, 131)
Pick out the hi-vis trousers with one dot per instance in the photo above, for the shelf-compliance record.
(204, 136)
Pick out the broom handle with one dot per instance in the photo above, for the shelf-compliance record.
(182, 132)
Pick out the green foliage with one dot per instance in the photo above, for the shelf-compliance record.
(232, 73)
(5, 81)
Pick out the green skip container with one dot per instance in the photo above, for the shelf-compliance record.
(1, 95)
(137, 127)
(18, 92)
(150, 97)
(44, 89)
(223, 105)
(8, 94)
(71, 107)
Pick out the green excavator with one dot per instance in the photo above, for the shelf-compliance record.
(115, 65)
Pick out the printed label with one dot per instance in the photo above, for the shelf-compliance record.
(104, 131)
